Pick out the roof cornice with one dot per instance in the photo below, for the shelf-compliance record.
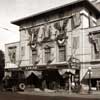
(86, 3)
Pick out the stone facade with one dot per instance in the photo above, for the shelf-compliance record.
(67, 26)
(12, 53)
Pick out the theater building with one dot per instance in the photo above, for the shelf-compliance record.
(59, 44)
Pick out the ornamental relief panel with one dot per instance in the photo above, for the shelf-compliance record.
(60, 26)
(33, 35)
(61, 31)
(52, 31)
(12, 54)
(45, 32)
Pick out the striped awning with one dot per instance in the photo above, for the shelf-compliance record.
(63, 71)
(95, 73)
(37, 73)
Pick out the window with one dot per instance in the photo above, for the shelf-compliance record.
(12, 54)
(62, 53)
(47, 54)
(34, 55)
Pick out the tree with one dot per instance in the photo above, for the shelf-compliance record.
(2, 64)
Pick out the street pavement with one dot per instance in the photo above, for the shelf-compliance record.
(95, 95)
(48, 95)
(18, 96)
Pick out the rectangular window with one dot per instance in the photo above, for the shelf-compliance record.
(47, 54)
(62, 53)
(34, 55)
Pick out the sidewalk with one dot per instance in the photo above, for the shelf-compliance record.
(94, 94)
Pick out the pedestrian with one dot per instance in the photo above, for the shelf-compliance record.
(97, 85)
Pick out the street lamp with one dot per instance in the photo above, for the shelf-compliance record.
(89, 72)
(69, 81)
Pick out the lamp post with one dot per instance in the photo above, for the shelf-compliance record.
(89, 72)
(69, 81)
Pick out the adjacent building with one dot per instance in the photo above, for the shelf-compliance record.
(60, 43)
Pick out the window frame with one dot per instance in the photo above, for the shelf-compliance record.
(34, 55)
(47, 54)
(64, 53)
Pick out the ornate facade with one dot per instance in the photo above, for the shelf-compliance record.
(60, 39)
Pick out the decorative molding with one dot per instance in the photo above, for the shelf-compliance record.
(62, 31)
(61, 38)
(12, 54)
(94, 41)
(51, 21)
(33, 37)
(61, 28)
(47, 32)
(29, 31)
(76, 20)
(46, 45)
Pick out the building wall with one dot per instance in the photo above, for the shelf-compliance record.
(10, 52)
(97, 5)
(24, 36)
(83, 52)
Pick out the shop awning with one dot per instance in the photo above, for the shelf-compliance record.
(95, 73)
(37, 73)
(63, 71)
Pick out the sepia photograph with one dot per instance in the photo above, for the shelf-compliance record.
(50, 50)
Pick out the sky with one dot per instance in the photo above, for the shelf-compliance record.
(11, 10)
